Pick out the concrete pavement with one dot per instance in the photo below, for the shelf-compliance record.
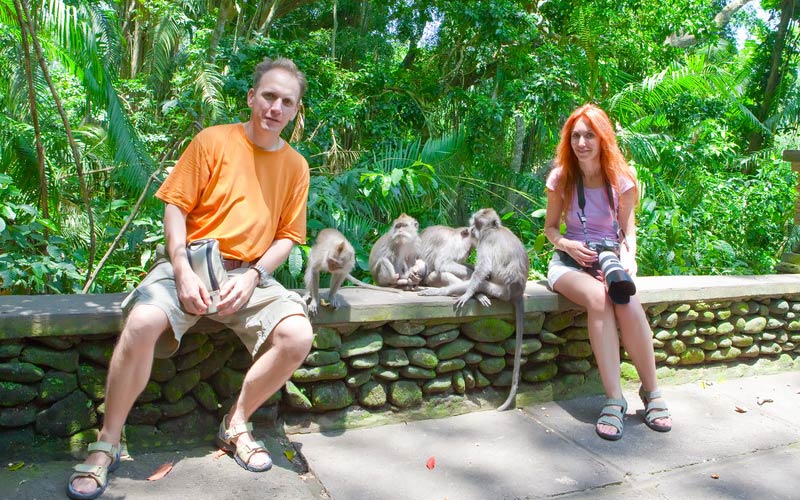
(732, 439)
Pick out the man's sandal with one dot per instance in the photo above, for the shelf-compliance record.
(97, 472)
(242, 453)
(610, 415)
(654, 411)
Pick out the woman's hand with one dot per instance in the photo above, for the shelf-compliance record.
(628, 262)
(583, 255)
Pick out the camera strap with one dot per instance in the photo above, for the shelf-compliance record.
(582, 205)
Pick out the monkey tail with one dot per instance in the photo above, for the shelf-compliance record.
(360, 283)
(519, 313)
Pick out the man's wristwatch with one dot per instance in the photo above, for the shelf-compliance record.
(263, 275)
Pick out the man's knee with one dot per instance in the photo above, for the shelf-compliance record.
(293, 336)
(144, 325)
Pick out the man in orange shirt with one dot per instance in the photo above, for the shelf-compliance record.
(244, 186)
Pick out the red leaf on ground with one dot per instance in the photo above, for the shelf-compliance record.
(219, 453)
(431, 463)
(739, 409)
(162, 471)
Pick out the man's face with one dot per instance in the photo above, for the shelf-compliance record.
(274, 102)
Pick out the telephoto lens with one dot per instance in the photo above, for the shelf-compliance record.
(619, 283)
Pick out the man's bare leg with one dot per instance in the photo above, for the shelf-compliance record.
(286, 349)
(128, 374)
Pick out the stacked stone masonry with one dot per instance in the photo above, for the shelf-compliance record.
(52, 387)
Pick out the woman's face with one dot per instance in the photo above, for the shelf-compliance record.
(585, 143)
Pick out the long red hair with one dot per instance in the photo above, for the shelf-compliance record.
(613, 166)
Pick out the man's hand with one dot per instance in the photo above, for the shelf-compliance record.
(192, 293)
(236, 292)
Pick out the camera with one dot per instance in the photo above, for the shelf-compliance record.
(619, 284)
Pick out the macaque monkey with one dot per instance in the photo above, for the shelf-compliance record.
(501, 271)
(333, 254)
(445, 251)
(394, 259)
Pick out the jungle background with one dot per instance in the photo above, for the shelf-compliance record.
(431, 107)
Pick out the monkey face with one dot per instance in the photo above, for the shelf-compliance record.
(334, 264)
(404, 227)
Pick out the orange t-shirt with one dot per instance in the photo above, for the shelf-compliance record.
(238, 193)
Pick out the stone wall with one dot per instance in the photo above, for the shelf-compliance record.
(381, 352)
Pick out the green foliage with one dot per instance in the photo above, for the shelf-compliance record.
(411, 107)
(32, 260)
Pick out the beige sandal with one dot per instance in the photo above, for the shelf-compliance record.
(244, 452)
(654, 410)
(97, 472)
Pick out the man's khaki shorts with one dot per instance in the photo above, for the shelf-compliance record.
(252, 323)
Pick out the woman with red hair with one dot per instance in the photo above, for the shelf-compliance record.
(593, 190)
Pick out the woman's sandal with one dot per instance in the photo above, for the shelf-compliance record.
(610, 415)
(244, 452)
(97, 472)
(654, 411)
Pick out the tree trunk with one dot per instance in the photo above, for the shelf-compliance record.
(773, 80)
(34, 111)
(519, 140)
(68, 130)
(136, 47)
(333, 34)
(720, 21)
(223, 17)
(269, 17)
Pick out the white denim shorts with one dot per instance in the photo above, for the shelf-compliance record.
(558, 268)
(253, 323)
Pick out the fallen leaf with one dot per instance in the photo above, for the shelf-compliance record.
(714, 476)
(219, 453)
(162, 471)
(289, 454)
(762, 401)
(15, 466)
(739, 409)
(431, 463)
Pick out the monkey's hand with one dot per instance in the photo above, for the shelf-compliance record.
(312, 307)
(463, 300)
(483, 299)
(335, 301)
(417, 272)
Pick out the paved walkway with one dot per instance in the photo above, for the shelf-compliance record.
(735, 439)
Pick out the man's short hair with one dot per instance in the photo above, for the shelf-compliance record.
(282, 63)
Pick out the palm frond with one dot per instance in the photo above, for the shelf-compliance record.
(208, 84)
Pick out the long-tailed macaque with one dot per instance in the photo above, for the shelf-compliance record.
(394, 259)
(445, 251)
(331, 253)
(501, 271)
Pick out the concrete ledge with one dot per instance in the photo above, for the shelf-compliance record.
(58, 315)
(63, 315)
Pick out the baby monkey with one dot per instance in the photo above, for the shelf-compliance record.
(331, 253)
(501, 271)
(394, 258)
